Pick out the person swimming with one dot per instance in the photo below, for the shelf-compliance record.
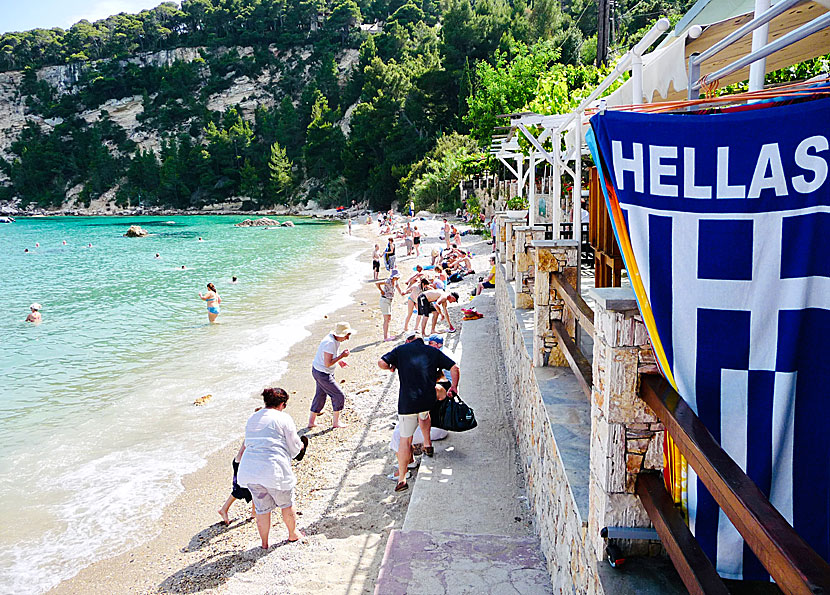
(234, 279)
(158, 255)
(213, 300)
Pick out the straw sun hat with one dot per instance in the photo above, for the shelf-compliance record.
(341, 329)
(35, 306)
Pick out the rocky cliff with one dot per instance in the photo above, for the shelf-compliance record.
(244, 92)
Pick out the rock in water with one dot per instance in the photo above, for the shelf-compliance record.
(136, 231)
(287, 224)
(264, 222)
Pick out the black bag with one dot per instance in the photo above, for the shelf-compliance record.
(453, 414)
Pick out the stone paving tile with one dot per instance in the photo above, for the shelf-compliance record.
(438, 563)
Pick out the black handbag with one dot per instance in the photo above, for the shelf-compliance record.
(453, 414)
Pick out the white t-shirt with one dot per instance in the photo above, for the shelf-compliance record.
(271, 441)
(328, 345)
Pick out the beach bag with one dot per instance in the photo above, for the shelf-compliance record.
(453, 415)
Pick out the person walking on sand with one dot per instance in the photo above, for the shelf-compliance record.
(387, 290)
(375, 262)
(418, 366)
(271, 441)
(350, 226)
(447, 233)
(416, 240)
(213, 300)
(322, 369)
(34, 314)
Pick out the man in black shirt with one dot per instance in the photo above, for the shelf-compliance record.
(418, 368)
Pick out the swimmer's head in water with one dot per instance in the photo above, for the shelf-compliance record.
(211, 286)
(183, 267)
(233, 279)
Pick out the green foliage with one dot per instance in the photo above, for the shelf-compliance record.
(279, 168)
(324, 142)
(436, 72)
(506, 86)
(432, 183)
(517, 203)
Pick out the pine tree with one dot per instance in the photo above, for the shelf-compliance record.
(280, 174)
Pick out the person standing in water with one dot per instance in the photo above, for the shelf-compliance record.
(213, 300)
(34, 315)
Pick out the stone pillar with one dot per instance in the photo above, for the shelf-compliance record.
(524, 235)
(509, 259)
(626, 436)
(551, 256)
(501, 217)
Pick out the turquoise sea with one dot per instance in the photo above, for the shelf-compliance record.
(97, 422)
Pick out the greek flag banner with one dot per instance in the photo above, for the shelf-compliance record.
(723, 221)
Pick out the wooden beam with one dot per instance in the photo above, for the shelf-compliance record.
(581, 310)
(580, 366)
(813, 46)
(695, 569)
(794, 566)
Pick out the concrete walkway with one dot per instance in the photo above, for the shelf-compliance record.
(466, 528)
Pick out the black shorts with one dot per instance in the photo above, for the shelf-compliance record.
(417, 239)
(375, 265)
(241, 493)
(487, 285)
(425, 307)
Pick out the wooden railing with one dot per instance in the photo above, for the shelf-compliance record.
(794, 566)
(584, 317)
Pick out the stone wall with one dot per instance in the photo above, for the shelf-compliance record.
(552, 257)
(625, 436)
(571, 562)
(524, 236)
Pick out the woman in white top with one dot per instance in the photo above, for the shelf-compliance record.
(271, 441)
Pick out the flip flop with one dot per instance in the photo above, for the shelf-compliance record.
(402, 486)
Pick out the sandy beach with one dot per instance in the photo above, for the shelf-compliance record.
(346, 504)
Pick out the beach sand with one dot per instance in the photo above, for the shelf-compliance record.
(345, 503)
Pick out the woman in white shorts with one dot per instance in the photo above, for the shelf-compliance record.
(271, 442)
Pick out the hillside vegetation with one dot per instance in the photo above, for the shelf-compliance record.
(403, 119)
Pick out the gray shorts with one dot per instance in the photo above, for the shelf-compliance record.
(267, 499)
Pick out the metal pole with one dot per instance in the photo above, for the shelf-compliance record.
(759, 39)
(637, 79)
(790, 38)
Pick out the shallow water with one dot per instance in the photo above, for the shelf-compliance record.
(97, 423)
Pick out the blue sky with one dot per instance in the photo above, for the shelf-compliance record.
(20, 15)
